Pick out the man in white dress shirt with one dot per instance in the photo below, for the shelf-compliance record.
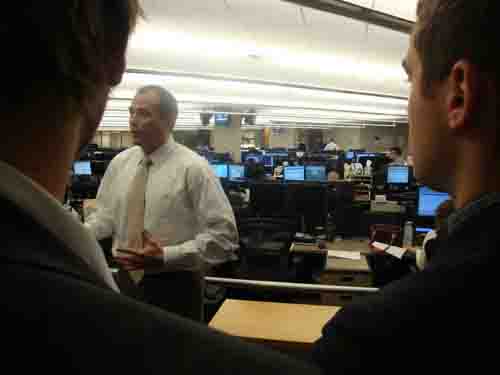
(188, 220)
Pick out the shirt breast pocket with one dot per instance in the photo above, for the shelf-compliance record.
(171, 204)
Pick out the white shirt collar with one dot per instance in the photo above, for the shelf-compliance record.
(48, 212)
(162, 152)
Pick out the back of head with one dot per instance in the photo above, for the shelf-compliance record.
(450, 30)
(396, 151)
(455, 99)
(65, 50)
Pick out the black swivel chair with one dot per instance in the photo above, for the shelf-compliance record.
(265, 249)
(267, 199)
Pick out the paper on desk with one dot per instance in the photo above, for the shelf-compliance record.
(392, 250)
(379, 246)
(353, 255)
(396, 251)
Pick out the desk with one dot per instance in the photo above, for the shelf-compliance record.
(345, 272)
(360, 245)
(279, 325)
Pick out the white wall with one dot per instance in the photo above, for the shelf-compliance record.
(282, 138)
(365, 138)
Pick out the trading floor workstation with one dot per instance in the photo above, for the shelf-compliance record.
(250, 186)
(303, 239)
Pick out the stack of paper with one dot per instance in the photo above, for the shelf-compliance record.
(353, 255)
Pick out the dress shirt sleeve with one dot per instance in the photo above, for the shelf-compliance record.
(101, 222)
(218, 238)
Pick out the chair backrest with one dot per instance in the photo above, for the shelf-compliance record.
(310, 203)
(267, 199)
(265, 247)
(385, 233)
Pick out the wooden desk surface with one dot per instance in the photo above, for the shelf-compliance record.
(273, 322)
(347, 265)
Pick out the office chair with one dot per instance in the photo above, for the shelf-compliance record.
(309, 204)
(389, 234)
(267, 199)
(265, 248)
(340, 208)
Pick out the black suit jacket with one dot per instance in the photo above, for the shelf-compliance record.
(444, 319)
(56, 316)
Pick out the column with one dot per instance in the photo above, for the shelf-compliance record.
(282, 138)
(228, 139)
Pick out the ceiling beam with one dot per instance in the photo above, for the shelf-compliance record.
(212, 77)
(358, 12)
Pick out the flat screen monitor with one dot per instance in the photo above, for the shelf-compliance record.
(296, 173)
(236, 172)
(316, 173)
(368, 155)
(222, 119)
(429, 200)
(256, 158)
(422, 230)
(82, 168)
(398, 174)
(220, 170)
(268, 161)
(349, 155)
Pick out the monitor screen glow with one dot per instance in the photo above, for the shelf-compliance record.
(294, 173)
(315, 173)
(220, 170)
(82, 168)
(429, 200)
(398, 175)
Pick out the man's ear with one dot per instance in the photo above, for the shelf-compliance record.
(462, 99)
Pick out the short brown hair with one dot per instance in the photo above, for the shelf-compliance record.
(62, 48)
(449, 30)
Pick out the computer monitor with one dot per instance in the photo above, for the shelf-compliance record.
(268, 161)
(222, 119)
(255, 157)
(398, 175)
(422, 230)
(350, 155)
(82, 168)
(221, 170)
(316, 173)
(236, 172)
(429, 200)
(296, 173)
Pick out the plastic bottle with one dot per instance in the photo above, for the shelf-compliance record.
(408, 234)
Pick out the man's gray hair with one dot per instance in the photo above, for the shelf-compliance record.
(168, 104)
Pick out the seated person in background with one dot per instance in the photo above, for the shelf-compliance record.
(435, 237)
(420, 257)
(442, 319)
(278, 171)
(61, 310)
(254, 171)
(396, 156)
(332, 175)
(331, 146)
